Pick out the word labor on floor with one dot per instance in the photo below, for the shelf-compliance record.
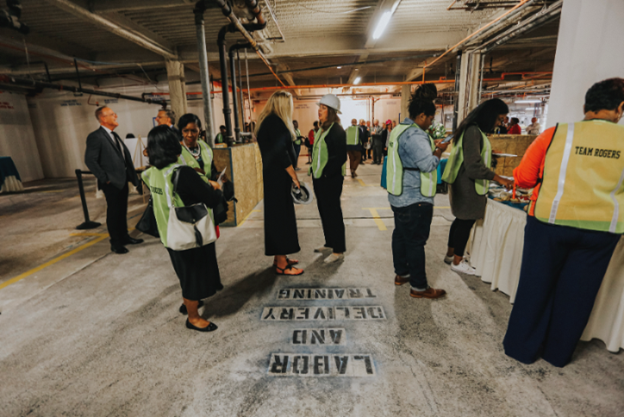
(292, 364)
(291, 313)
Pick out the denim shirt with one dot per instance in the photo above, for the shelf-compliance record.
(415, 152)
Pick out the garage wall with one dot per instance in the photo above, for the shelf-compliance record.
(17, 138)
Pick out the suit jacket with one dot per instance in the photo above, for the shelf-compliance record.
(105, 161)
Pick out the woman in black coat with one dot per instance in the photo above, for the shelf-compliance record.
(275, 139)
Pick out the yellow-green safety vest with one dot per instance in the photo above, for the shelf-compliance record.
(297, 141)
(186, 158)
(394, 167)
(353, 135)
(161, 189)
(456, 160)
(320, 154)
(583, 182)
(219, 138)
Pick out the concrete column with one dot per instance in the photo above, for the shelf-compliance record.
(589, 49)
(177, 89)
(463, 88)
(475, 79)
(406, 95)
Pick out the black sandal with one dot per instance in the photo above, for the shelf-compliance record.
(278, 269)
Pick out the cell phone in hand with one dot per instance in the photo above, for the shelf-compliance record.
(447, 139)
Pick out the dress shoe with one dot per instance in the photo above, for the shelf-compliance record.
(399, 280)
(132, 241)
(119, 249)
(184, 311)
(210, 328)
(428, 293)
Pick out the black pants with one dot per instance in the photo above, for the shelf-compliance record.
(562, 269)
(377, 150)
(411, 232)
(328, 191)
(459, 235)
(116, 212)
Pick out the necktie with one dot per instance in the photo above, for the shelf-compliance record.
(118, 142)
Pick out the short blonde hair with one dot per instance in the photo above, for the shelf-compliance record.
(281, 105)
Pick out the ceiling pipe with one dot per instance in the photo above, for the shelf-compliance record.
(85, 14)
(538, 19)
(472, 35)
(200, 33)
(60, 87)
(233, 49)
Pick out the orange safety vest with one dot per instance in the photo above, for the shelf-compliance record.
(583, 180)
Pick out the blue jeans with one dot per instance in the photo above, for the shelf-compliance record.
(562, 269)
(411, 231)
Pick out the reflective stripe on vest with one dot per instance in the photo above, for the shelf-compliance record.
(394, 168)
(353, 135)
(320, 154)
(186, 158)
(161, 189)
(456, 160)
(583, 181)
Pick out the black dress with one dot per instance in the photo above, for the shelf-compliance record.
(196, 268)
(280, 223)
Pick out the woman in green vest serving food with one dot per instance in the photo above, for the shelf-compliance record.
(411, 180)
(196, 268)
(469, 171)
(329, 157)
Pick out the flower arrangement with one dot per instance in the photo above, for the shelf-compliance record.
(437, 131)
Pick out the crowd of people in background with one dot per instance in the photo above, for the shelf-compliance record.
(570, 236)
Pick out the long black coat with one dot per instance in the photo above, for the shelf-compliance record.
(280, 223)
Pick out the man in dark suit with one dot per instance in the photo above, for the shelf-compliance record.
(109, 160)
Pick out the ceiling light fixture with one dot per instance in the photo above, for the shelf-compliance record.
(357, 80)
(528, 101)
(338, 67)
(384, 20)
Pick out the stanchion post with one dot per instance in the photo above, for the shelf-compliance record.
(88, 224)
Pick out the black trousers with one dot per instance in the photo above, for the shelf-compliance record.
(377, 150)
(328, 191)
(116, 212)
(412, 225)
(459, 235)
(562, 270)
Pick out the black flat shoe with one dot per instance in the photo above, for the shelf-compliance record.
(210, 328)
(132, 241)
(183, 310)
(119, 249)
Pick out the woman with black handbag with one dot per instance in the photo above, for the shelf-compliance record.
(173, 189)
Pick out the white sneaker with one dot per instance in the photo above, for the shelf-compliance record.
(464, 268)
(321, 249)
(334, 258)
(448, 259)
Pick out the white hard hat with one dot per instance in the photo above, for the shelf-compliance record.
(302, 195)
(330, 100)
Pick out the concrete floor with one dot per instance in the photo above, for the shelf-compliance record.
(99, 334)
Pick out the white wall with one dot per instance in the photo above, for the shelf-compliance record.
(17, 138)
(589, 49)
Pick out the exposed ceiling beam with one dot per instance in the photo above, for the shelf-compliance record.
(114, 28)
(107, 6)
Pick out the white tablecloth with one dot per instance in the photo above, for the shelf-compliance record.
(496, 253)
(11, 185)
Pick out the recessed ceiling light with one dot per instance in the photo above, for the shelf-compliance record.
(338, 67)
(357, 80)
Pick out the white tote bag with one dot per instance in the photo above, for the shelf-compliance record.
(189, 227)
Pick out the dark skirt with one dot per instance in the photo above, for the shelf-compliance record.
(198, 271)
(280, 222)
